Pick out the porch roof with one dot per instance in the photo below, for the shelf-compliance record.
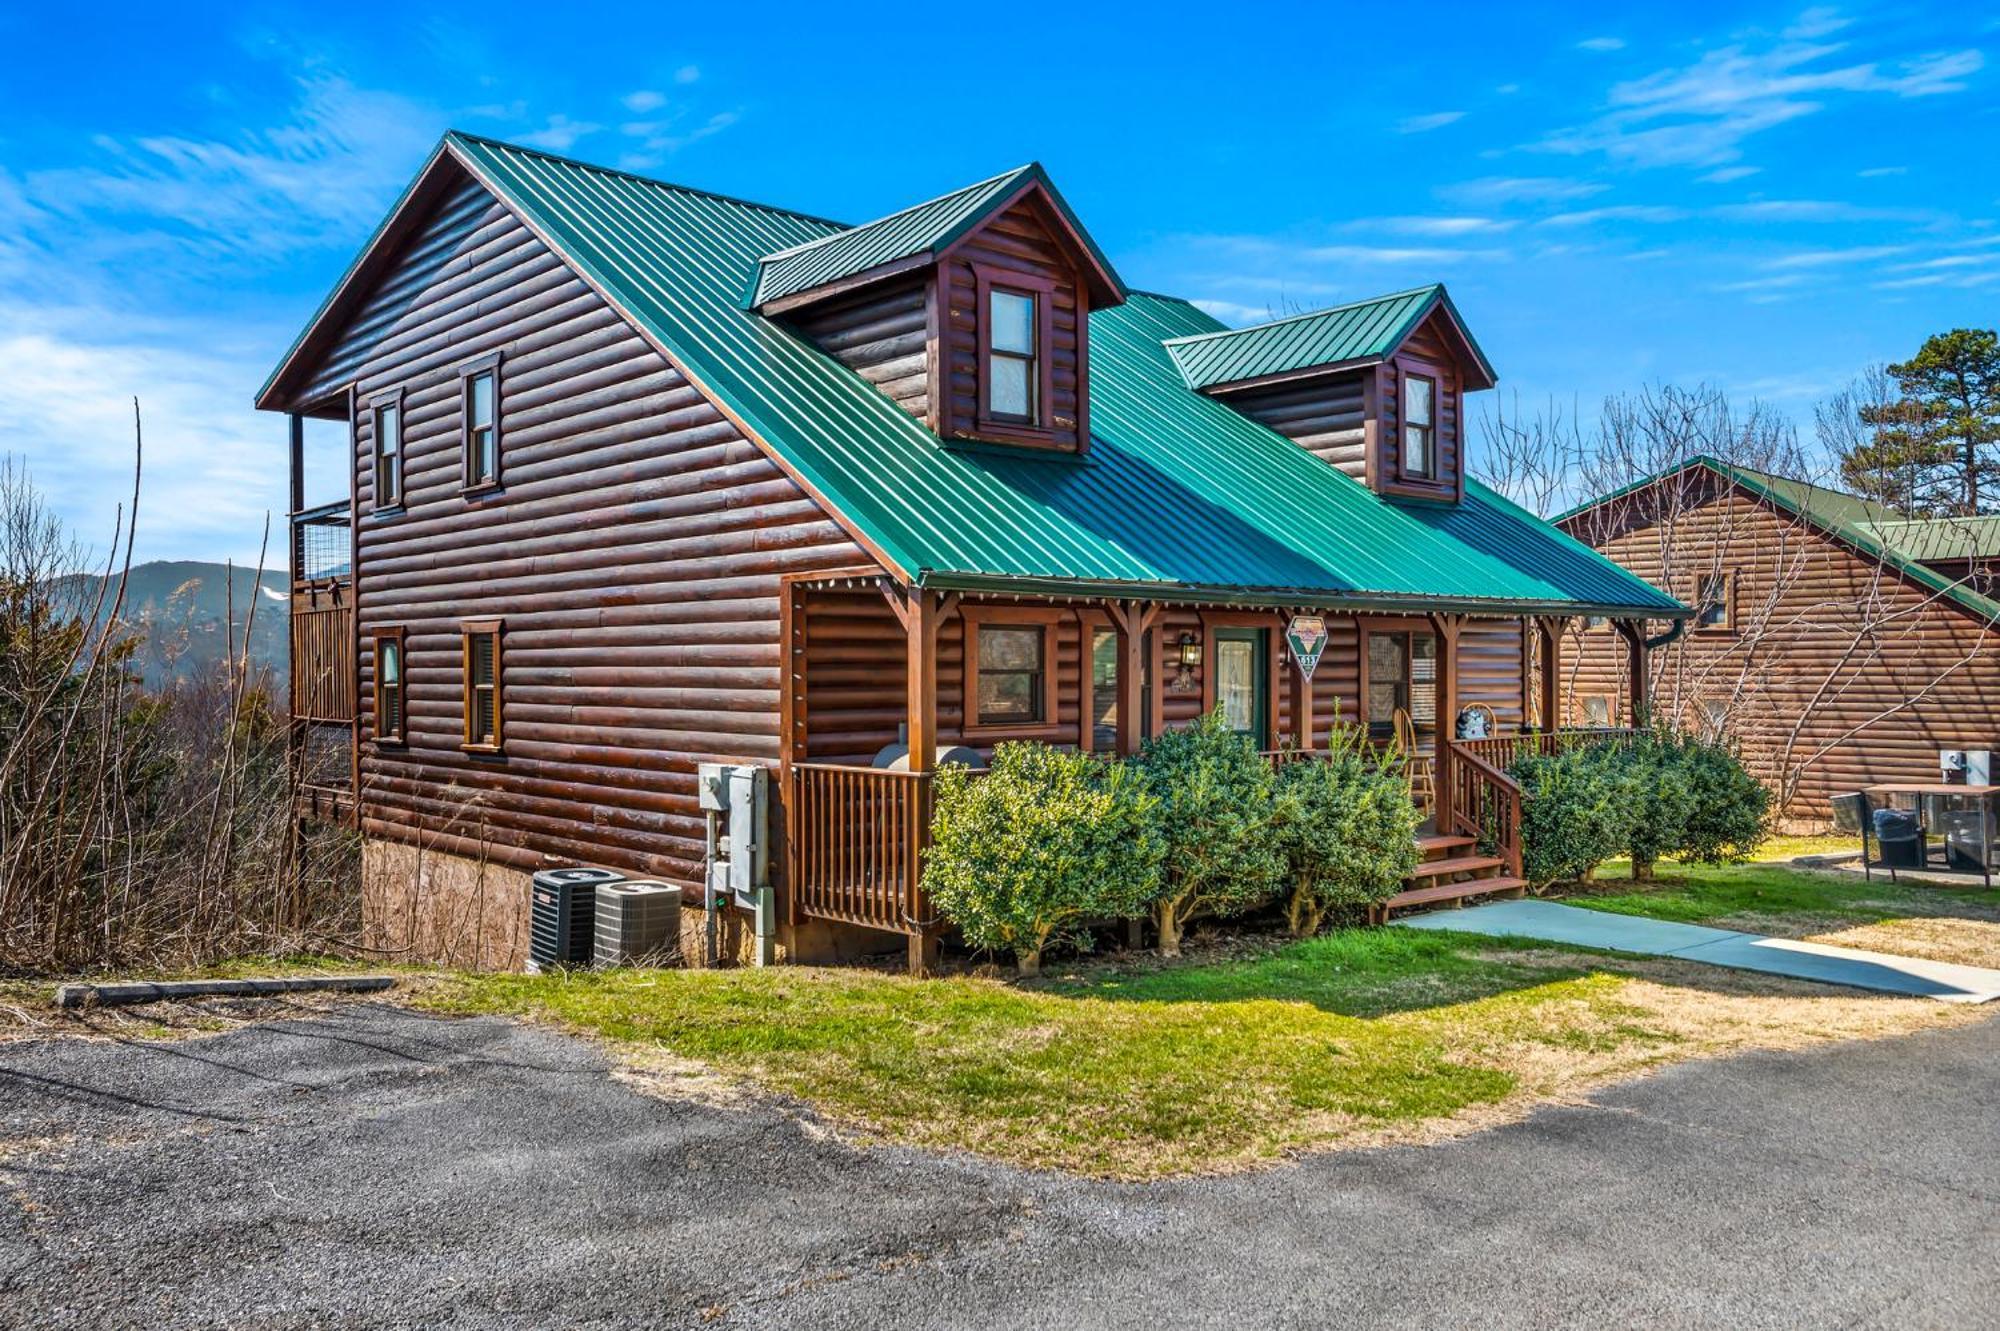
(1179, 495)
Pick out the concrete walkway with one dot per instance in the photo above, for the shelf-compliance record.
(1554, 923)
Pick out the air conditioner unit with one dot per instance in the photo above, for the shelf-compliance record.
(638, 920)
(564, 913)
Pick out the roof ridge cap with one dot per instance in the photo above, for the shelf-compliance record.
(655, 181)
(1303, 314)
(890, 217)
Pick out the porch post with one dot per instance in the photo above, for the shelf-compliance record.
(1447, 714)
(1302, 701)
(1634, 633)
(921, 612)
(1550, 632)
(1134, 620)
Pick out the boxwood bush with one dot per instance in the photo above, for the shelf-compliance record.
(1663, 798)
(1346, 827)
(1578, 810)
(1217, 812)
(1731, 808)
(1024, 856)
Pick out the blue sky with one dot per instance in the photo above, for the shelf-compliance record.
(1764, 197)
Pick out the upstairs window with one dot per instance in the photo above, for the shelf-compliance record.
(389, 452)
(391, 692)
(480, 410)
(1012, 373)
(1714, 602)
(482, 685)
(1420, 427)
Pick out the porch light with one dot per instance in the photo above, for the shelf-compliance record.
(1190, 651)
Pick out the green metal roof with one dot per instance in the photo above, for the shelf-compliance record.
(1178, 496)
(1938, 540)
(1365, 331)
(925, 228)
(1873, 529)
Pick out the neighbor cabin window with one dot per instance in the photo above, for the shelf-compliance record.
(391, 690)
(1713, 718)
(1010, 669)
(480, 412)
(481, 638)
(1420, 426)
(389, 452)
(1713, 597)
(1596, 710)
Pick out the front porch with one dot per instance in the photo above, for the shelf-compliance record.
(882, 683)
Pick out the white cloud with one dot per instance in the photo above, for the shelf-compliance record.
(1834, 257)
(1520, 189)
(1621, 212)
(1232, 313)
(1820, 21)
(559, 134)
(1434, 226)
(658, 139)
(1816, 210)
(1726, 174)
(1875, 172)
(1390, 254)
(1701, 114)
(1426, 123)
(213, 467)
(1601, 44)
(644, 100)
(687, 74)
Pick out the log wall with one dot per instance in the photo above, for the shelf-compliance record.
(1837, 673)
(883, 334)
(1327, 416)
(633, 553)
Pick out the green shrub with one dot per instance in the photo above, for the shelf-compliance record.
(1730, 805)
(1215, 794)
(1346, 827)
(1025, 855)
(1577, 811)
(1663, 797)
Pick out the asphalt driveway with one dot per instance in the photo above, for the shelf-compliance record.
(381, 1168)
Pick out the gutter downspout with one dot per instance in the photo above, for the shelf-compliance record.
(1672, 634)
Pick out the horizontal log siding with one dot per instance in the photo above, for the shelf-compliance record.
(1325, 416)
(1425, 345)
(883, 334)
(1492, 669)
(1022, 240)
(634, 555)
(1788, 682)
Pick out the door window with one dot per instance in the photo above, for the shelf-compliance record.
(1240, 683)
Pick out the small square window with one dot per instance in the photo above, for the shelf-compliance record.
(1597, 710)
(1012, 662)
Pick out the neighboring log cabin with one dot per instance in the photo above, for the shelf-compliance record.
(1840, 644)
(643, 477)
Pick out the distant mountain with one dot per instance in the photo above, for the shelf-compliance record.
(180, 609)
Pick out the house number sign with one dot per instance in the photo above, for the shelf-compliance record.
(1307, 638)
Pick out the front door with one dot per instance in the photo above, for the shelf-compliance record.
(1242, 681)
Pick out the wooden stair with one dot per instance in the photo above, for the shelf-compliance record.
(1451, 870)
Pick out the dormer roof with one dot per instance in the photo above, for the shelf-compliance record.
(1365, 332)
(916, 236)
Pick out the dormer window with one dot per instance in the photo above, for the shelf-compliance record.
(1011, 354)
(1419, 427)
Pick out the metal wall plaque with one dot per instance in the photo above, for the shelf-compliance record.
(1306, 636)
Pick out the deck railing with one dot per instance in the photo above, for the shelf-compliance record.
(322, 543)
(1482, 802)
(1502, 750)
(857, 836)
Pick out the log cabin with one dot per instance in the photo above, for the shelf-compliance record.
(642, 476)
(1838, 643)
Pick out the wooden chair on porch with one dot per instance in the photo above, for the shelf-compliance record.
(1418, 766)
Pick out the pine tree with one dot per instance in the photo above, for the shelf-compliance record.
(1932, 448)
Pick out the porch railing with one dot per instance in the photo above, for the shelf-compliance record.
(1482, 802)
(1502, 750)
(857, 836)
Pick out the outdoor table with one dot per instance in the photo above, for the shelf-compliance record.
(1968, 816)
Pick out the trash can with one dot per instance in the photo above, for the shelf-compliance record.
(1900, 833)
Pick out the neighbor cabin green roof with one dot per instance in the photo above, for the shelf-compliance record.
(926, 228)
(1178, 497)
(1359, 333)
(1941, 540)
(1870, 528)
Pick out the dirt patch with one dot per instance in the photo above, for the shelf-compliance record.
(36, 1017)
